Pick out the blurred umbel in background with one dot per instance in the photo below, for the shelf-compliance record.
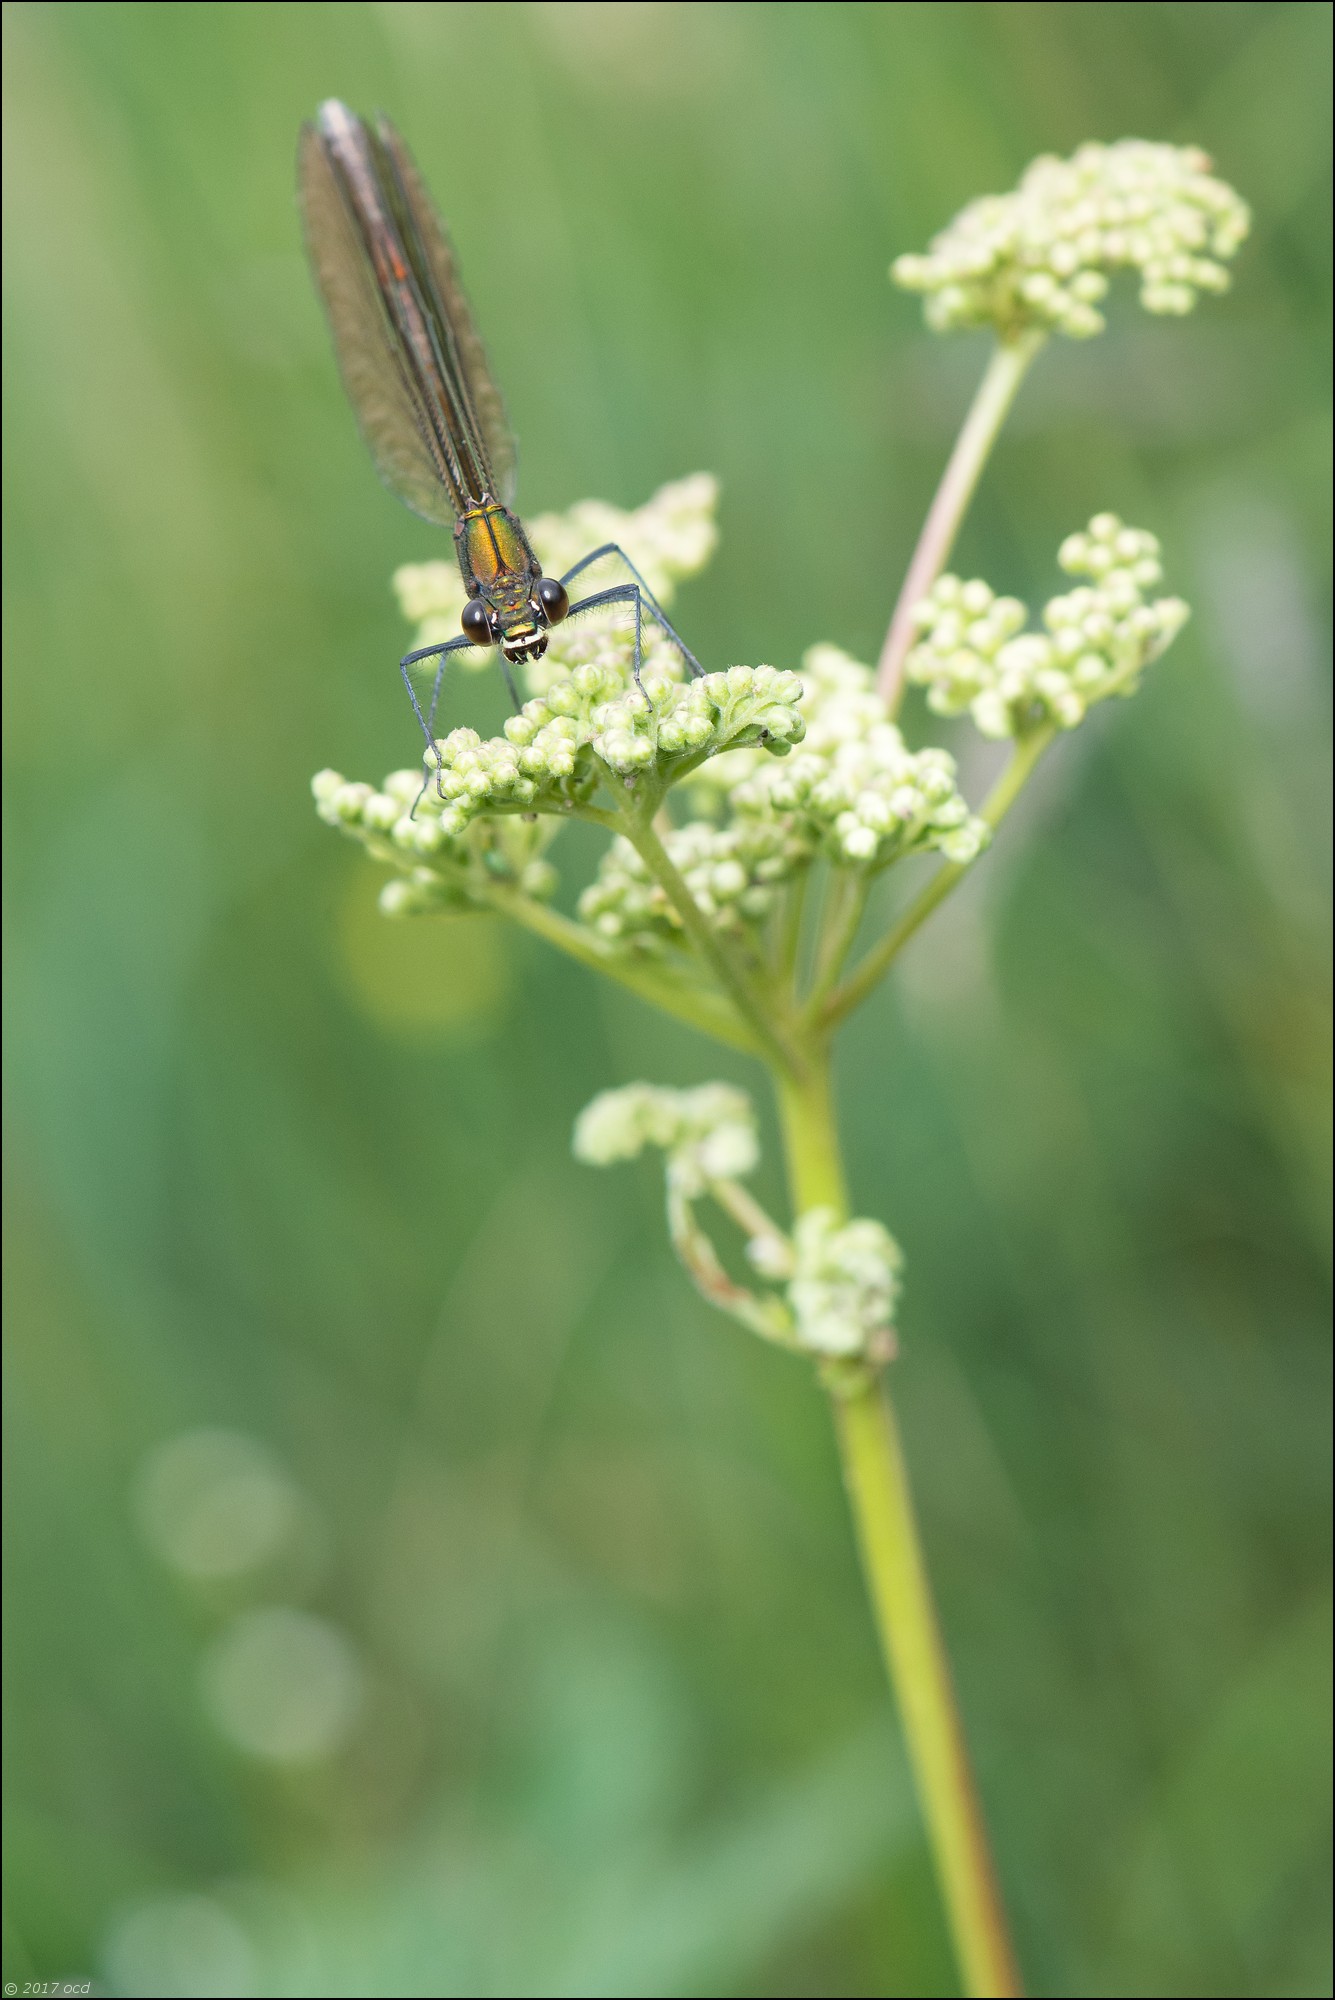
(411, 1588)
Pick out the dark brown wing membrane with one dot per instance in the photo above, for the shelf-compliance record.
(439, 270)
(396, 358)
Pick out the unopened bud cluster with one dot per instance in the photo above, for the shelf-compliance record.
(669, 538)
(708, 1134)
(438, 872)
(552, 756)
(1039, 257)
(733, 873)
(854, 792)
(845, 1282)
(549, 756)
(974, 653)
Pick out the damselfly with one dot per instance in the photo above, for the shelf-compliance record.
(417, 377)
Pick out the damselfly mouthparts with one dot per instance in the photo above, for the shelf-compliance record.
(416, 375)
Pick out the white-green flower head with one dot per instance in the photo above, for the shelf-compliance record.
(708, 1134)
(1040, 257)
(854, 791)
(671, 537)
(733, 872)
(845, 1285)
(437, 872)
(975, 654)
(593, 728)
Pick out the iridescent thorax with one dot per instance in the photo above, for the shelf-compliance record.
(510, 602)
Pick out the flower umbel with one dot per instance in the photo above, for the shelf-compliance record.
(844, 1285)
(586, 732)
(1039, 257)
(855, 792)
(975, 654)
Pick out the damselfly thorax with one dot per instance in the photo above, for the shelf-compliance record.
(510, 602)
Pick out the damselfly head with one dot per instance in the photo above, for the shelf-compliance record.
(522, 637)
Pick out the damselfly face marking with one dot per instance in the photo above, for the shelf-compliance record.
(417, 377)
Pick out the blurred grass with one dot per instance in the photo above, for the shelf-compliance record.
(277, 1169)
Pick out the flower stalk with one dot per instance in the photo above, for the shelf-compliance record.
(1010, 363)
(892, 1560)
(769, 1035)
(876, 1480)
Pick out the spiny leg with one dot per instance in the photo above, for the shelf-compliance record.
(428, 721)
(651, 602)
(622, 593)
(510, 684)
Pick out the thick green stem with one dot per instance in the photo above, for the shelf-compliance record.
(883, 954)
(811, 1139)
(713, 949)
(996, 392)
(892, 1558)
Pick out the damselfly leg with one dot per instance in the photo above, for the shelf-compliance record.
(650, 602)
(428, 721)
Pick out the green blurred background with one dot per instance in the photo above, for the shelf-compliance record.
(412, 1589)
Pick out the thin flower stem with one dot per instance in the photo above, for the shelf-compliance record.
(745, 1210)
(901, 1599)
(764, 1315)
(711, 1013)
(840, 929)
(790, 926)
(712, 948)
(881, 957)
(996, 392)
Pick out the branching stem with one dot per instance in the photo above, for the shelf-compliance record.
(777, 1047)
(697, 1005)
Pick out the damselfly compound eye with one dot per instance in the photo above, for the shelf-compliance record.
(476, 624)
(553, 599)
